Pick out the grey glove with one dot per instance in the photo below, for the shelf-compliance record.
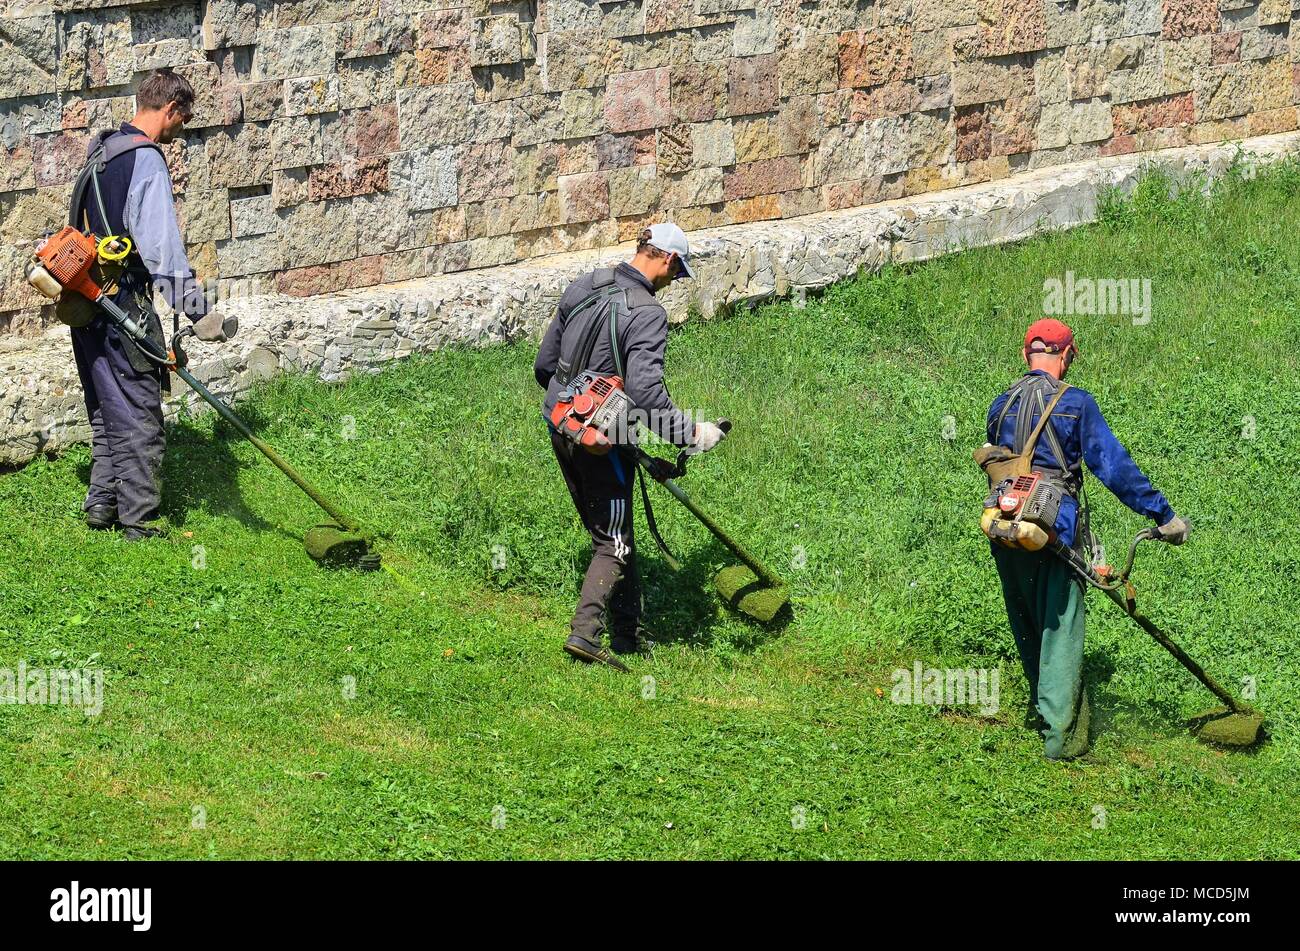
(1174, 531)
(216, 329)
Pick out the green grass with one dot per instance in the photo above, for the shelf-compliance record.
(225, 683)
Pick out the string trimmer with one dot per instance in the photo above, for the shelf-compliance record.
(1232, 725)
(751, 589)
(63, 263)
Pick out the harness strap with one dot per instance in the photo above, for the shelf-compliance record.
(662, 545)
(1025, 439)
(579, 356)
(109, 144)
(1042, 421)
(1053, 443)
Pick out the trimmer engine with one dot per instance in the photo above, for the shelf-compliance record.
(64, 261)
(590, 410)
(1021, 512)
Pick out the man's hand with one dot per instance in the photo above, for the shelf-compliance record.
(660, 469)
(1174, 531)
(214, 328)
(707, 435)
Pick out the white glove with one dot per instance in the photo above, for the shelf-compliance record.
(707, 435)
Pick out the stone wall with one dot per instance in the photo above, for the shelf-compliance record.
(344, 143)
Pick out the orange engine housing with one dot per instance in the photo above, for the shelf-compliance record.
(588, 408)
(68, 256)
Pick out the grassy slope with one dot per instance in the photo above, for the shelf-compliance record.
(224, 687)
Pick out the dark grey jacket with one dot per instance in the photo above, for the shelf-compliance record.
(642, 338)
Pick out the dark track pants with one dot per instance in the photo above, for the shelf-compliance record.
(126, 425)
(1045, 604)
(611, 590)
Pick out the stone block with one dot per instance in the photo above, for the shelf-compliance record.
(1012, 26)
(633, 190)
(697, 91)
(296, 142)
(766, 177)
(870, 57)
(496, 40)
(487, 170)
(311, 95)
(240, 156)
(434, 177)
(295, 52)
(584, 197)
(1184, 18)
(347, 178)
(317, 232)
(752, 84)
(637, 100)
(673, 149)
(204, 215)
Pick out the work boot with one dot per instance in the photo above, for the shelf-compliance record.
(632, 642)
(101, 517)
(135, 533)
(589, 653)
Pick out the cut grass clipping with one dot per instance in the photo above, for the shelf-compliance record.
(256, 706)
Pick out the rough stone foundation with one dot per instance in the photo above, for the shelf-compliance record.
(41, 407)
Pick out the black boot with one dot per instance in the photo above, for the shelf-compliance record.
(135, 533)
(589, 653)
(101, 517)
(635, 641)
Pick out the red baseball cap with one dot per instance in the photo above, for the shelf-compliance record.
(1055, 335)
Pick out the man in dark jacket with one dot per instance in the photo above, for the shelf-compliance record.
(1044, 599)
(601, 485)
(132, 198)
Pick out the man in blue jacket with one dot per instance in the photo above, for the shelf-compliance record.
(1044, 599)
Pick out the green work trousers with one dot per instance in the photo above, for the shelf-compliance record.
(1045, 604)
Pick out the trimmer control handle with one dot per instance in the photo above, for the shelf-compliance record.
(178, 354)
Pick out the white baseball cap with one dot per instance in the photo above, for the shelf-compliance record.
(666, 236)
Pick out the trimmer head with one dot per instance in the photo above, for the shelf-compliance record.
(1224, 727)
(744, 591)
(333, 545)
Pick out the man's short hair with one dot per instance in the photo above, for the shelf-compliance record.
(643, 245)
(163, 86)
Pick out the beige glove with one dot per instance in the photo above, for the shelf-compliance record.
(1174, 531)
(707, 435)
(214, 328)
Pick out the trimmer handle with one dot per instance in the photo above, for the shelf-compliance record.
(178, 355)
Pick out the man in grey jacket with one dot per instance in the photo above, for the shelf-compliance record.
(126, 190)
(601, 485)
